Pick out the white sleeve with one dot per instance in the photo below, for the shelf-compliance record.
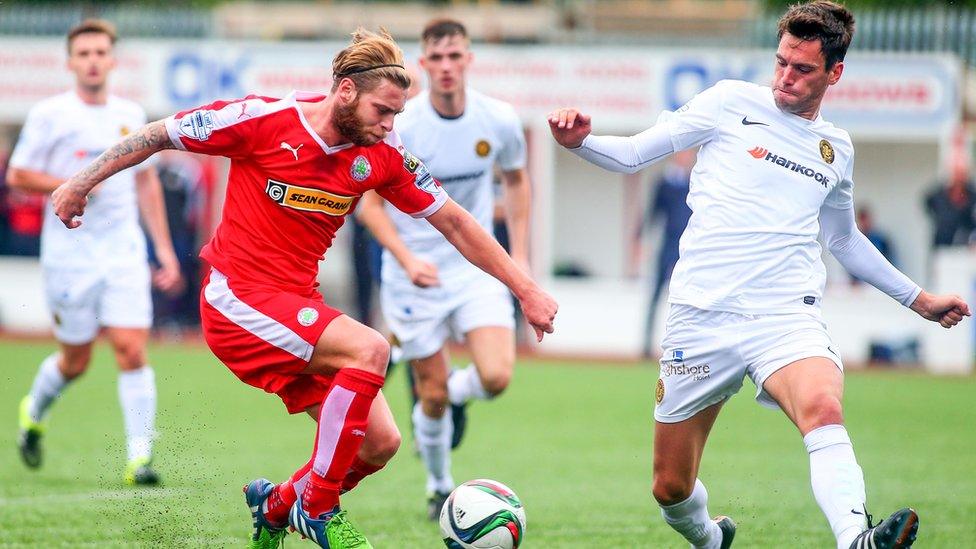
(34, 144)
(690, 126)
(626, 154)
(856, 253)
(695, 123)
(512, 153)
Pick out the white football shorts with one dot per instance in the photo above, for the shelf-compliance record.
(707, 354)
(422, 319)
(82, 300)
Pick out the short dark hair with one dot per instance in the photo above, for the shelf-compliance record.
(829, 22)
(97, 26)
(442, 28)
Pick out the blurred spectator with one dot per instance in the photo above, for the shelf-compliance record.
(181, 176)
(669, 205)
(951, 207)
(25, 216)
(881, 241)
(366, 258)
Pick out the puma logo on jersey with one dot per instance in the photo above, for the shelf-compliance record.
(294, 150)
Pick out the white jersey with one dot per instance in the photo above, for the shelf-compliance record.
(460, 153)
(756, 192)
(61, 136)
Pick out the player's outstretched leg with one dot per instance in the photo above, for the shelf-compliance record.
(727, 526)
(331, 530)
(266, 534)
(47, 387)
(895, 532)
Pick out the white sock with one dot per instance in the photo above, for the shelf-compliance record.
(690, 519)
(837, 481)
(48, 384)
(434, 442)
(137, 396)
(464, 385)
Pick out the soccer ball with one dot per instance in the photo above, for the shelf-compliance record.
(483, 514)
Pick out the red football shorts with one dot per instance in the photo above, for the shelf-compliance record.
(266, 337)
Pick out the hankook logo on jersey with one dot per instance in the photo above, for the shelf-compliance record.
(826, 151)
(482, 148)
(309, 200)
(761, 153)
(197, 125)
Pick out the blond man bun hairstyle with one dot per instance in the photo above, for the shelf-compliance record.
(367, 61)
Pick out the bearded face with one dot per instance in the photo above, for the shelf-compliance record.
(351, 125)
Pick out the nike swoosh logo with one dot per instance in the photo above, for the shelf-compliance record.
(747, 122)
(856, 512)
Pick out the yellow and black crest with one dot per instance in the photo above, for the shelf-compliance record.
(124, 130)
(826, 151)
(659, 391)
(482, 148)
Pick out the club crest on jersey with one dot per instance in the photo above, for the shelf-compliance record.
(482, 148)
(124, 131)
(826, 151)
(360, 168)
(309, 200)
(659, 391)
(197, 125)
(307, 316)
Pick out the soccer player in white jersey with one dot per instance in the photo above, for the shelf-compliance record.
(429, 292)
(97, 277)
(745, 295)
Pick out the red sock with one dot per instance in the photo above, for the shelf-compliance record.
(284, 495)
(357, 472)
(342, 426)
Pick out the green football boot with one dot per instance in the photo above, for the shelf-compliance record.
(139, 472)
(331, 530)
(29, 437)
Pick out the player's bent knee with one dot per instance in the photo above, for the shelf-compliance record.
(671, 490)
(495, 383)
(434, 398)
(374, 355)
(822, 410)
(74, 364)
(385, 448)
(130, 357)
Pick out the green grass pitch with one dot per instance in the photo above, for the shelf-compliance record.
(574, 441)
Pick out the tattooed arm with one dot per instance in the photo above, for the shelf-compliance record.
(71, 197)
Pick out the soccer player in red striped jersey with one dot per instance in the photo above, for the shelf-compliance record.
(298, 167)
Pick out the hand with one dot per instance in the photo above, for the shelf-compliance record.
(421, 273)
(168, 277)
(569, 127)
(947, 310)
(539, 309)
(69, 202)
